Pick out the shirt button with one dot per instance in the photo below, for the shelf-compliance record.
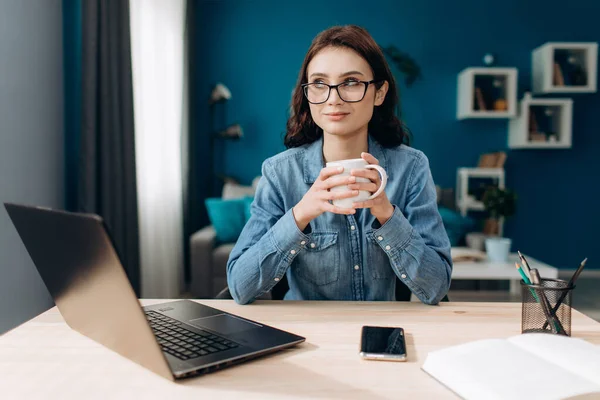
(356, 267)
(293, 251)
(303, 242)
(352, 227)
(312, 245)
(403, 276)
(380, 238)
(276, 279)
(386, 247)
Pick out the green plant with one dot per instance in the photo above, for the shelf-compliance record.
(405, 64)
(499, 202)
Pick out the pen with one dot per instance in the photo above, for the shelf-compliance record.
(526, 268)
(526, 280)
(569, 286)
(554, 323)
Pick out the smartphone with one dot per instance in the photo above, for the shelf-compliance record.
(382, 343)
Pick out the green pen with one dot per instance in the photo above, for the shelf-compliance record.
(526, 280)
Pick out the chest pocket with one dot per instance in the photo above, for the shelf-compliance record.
(319, 261)
(379, 262)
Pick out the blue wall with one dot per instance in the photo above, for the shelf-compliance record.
(256, 48)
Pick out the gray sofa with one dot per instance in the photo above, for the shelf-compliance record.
(209, 262)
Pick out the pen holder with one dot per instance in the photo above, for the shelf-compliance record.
(534, 317)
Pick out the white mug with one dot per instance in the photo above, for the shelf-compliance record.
(363, 195)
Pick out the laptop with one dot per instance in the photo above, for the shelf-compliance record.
(77, 261)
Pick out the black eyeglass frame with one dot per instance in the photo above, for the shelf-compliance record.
(367, 83)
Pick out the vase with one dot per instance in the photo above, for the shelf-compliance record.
(475, 240)
(498, 249)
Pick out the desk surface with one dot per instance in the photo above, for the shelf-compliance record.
(44, 358)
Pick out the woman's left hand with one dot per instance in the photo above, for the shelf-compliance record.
(380, 206)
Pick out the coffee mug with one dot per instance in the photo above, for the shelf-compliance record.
(363, 195)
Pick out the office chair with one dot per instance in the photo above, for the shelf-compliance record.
(403, 293)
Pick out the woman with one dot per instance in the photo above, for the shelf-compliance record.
(343, 108)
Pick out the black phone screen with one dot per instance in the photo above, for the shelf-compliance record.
(383, 340)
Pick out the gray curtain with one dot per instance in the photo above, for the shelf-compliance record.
(107, 177)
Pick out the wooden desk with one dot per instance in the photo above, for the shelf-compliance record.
(44, 358)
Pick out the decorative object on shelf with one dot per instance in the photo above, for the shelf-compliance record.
(500, 105)
(476, 240)
(565, 67)
(542, 123)
(405, 64)
(219, 131)
(487, 93)
(500, 204)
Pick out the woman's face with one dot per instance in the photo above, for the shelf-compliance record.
(334, 65)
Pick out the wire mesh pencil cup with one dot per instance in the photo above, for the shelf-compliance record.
(547, 295)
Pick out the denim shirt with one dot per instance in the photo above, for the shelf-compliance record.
(342, 257)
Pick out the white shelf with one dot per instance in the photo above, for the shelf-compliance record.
(575, 56)
(560, 121)
(482, 172)
(463, 201)
(498, 89)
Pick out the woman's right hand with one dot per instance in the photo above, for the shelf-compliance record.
(316, 201)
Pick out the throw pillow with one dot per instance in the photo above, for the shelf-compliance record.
(227, 217)
(455, 224)
(247, 207)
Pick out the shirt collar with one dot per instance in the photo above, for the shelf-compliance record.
(313, 160)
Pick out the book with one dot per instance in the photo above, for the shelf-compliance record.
(527, 366)
(492, 160)
(479, 100)
(459, 254)
(559, 79)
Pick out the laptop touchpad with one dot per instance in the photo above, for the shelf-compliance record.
(224, 323)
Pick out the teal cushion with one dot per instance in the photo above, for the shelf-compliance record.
(247, 206)
(455, 224)
(227, 217)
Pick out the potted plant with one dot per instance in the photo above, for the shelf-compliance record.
(499, 203)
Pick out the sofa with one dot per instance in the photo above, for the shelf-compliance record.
(208, 257)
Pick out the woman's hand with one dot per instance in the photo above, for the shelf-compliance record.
(380, 206)
(316, 201)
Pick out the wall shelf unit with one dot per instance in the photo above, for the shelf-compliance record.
(487, 93)
(465, 201)
(542, 123)
(564, 67)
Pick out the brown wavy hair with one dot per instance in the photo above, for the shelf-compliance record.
(385, 127)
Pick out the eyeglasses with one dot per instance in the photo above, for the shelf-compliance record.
(349, 91)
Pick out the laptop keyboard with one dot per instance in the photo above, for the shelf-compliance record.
(183, 343)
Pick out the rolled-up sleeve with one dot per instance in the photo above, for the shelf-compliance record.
(267, 245)
(415, 239)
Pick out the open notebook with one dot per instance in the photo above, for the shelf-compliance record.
(529, 366)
